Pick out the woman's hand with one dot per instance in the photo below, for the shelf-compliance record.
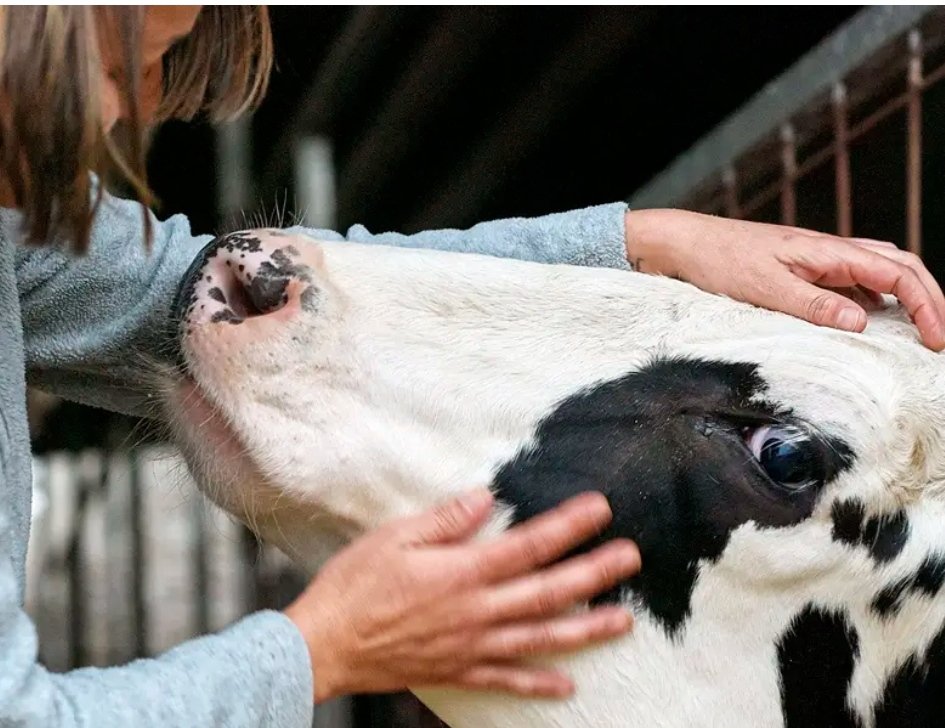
(787, 269)
(417, 604)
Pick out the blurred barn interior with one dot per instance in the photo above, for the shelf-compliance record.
(417, 118)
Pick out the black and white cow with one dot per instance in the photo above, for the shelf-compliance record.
(785, 483)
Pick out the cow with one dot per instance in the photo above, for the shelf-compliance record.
(785, 483)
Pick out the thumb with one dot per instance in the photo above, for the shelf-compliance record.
(455, 520)
(824, 308)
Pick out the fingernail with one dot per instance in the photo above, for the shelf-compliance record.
(849, 319)
(621, 620)
(566, 688)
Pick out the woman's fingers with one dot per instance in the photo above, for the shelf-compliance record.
(541, 539)
(877, 243)
(915, 263)
(550, 592)
(563, 634)
(863, 297)
(455, 520)
(845, 265)
(882, 274)
(527, 682)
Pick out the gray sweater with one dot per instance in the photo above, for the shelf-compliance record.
(77, 327)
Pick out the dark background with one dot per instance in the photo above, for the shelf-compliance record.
(443, 117)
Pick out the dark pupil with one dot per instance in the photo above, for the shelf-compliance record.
(787, 461)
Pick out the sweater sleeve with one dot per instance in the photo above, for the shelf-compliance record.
(255, 674)
(94, 324)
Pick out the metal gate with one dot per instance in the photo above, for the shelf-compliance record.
(847, 139)
(127, 560)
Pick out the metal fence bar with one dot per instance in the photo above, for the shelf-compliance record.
(139, 609)
(841, 135)
(914, 147)
(730, 183)
(201, 568)
(78, 653)
(788, 176)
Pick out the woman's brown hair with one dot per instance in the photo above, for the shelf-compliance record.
(51, 127)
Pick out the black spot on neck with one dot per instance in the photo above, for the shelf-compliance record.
(931, 575)
(886, 536)
(816, 657)
(926, 581)
(889, 601)
(915, 696)
(665, 445)
(848, 521)
(883, 536)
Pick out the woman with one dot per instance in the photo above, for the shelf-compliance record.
(376, 617)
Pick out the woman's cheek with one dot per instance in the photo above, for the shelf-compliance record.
(149, 98)
(152, 90)
(111, 106)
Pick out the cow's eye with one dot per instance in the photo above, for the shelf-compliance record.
(789, 455)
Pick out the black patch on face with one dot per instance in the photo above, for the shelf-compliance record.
(816, 658)
(666, 446)
(915, 695)
(883, 536)
(216, 294)
(848, 521)
(927, 581)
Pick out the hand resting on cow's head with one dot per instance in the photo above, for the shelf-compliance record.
(785, 483)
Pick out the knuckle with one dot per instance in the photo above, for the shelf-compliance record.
(446, 518)
(530, 551)
(547, 600)
(820, 307)
(606, 572)
(910, 281)
(490, 610)
(546, 637)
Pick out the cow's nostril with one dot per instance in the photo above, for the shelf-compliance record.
(267, 292)
(242, 302)
(232, 283)
(242, 278)
(251, 295)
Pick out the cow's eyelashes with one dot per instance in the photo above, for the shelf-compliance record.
(789, 455)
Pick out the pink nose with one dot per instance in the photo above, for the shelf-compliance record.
(243, 276)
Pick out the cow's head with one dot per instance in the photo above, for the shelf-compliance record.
(785, 483)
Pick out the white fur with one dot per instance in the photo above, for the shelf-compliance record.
(422, 372)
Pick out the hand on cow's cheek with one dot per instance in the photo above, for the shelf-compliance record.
(415, 604)
(824, 279)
